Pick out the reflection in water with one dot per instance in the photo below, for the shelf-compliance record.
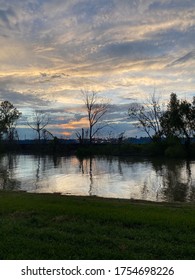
(7, 180)
(156, 180)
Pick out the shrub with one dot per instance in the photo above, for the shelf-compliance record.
(176, 151)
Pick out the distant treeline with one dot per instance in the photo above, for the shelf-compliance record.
(143, 147)
(170, 132)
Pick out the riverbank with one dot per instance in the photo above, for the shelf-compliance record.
(167, 149)
(51, 226)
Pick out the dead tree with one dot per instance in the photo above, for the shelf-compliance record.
(38, 122)
(147, 117)
(96, 109)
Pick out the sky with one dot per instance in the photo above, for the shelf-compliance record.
(123, 49)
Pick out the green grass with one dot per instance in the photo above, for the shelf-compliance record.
(45, 226)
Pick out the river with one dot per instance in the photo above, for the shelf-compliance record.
(111, 177)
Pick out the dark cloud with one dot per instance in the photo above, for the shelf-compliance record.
(117, 113)
(135, 50)
(174, 37)
(43, 75)
(49, 77)
(19, 99)
(121, 108)
(86, 10)
(5, 17)
(190, 56)
(172, 5)
(61, 115)
(54, 111)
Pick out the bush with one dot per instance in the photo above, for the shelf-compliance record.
(110, 150)
(154, 149)
(176, 151)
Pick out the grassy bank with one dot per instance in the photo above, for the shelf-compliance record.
(44, 226)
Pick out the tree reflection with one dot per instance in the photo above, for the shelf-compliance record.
(91, 176)
(171, 180)
(44, 162)
(7, 166)
(99, 168)
(154, 179)
(86, 168)
(37, 176)
(177, 183)
(56, 161)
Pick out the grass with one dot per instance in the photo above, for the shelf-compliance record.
(49, 226)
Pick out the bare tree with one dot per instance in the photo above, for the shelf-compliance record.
(96, 109)
(38, 122)
(80, 136)
(147, 117)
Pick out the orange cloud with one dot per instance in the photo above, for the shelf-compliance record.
(72, 125)
(67, 134)
(76, 124)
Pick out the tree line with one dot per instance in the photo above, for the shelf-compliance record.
(95, 106)
(176, 121)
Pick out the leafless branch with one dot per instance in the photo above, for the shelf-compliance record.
(38, 122)
(96, 109)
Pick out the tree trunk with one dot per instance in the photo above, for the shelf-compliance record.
(90, 134)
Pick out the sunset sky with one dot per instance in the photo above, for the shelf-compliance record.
(124, 49)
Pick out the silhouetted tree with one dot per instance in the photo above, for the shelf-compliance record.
(47, 135)
(170, 119)
(147, 117)
(8, 117)
(81, 136)
(179, 119)
(121, 137)
(38, 122)
(96, 109)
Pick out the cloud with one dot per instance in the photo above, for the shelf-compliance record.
(135, 51)
(187, 58)
(22, 100)
(6, 17)
(50, 50)
(172, 5)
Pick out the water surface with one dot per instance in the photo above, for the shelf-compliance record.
(129, 178)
